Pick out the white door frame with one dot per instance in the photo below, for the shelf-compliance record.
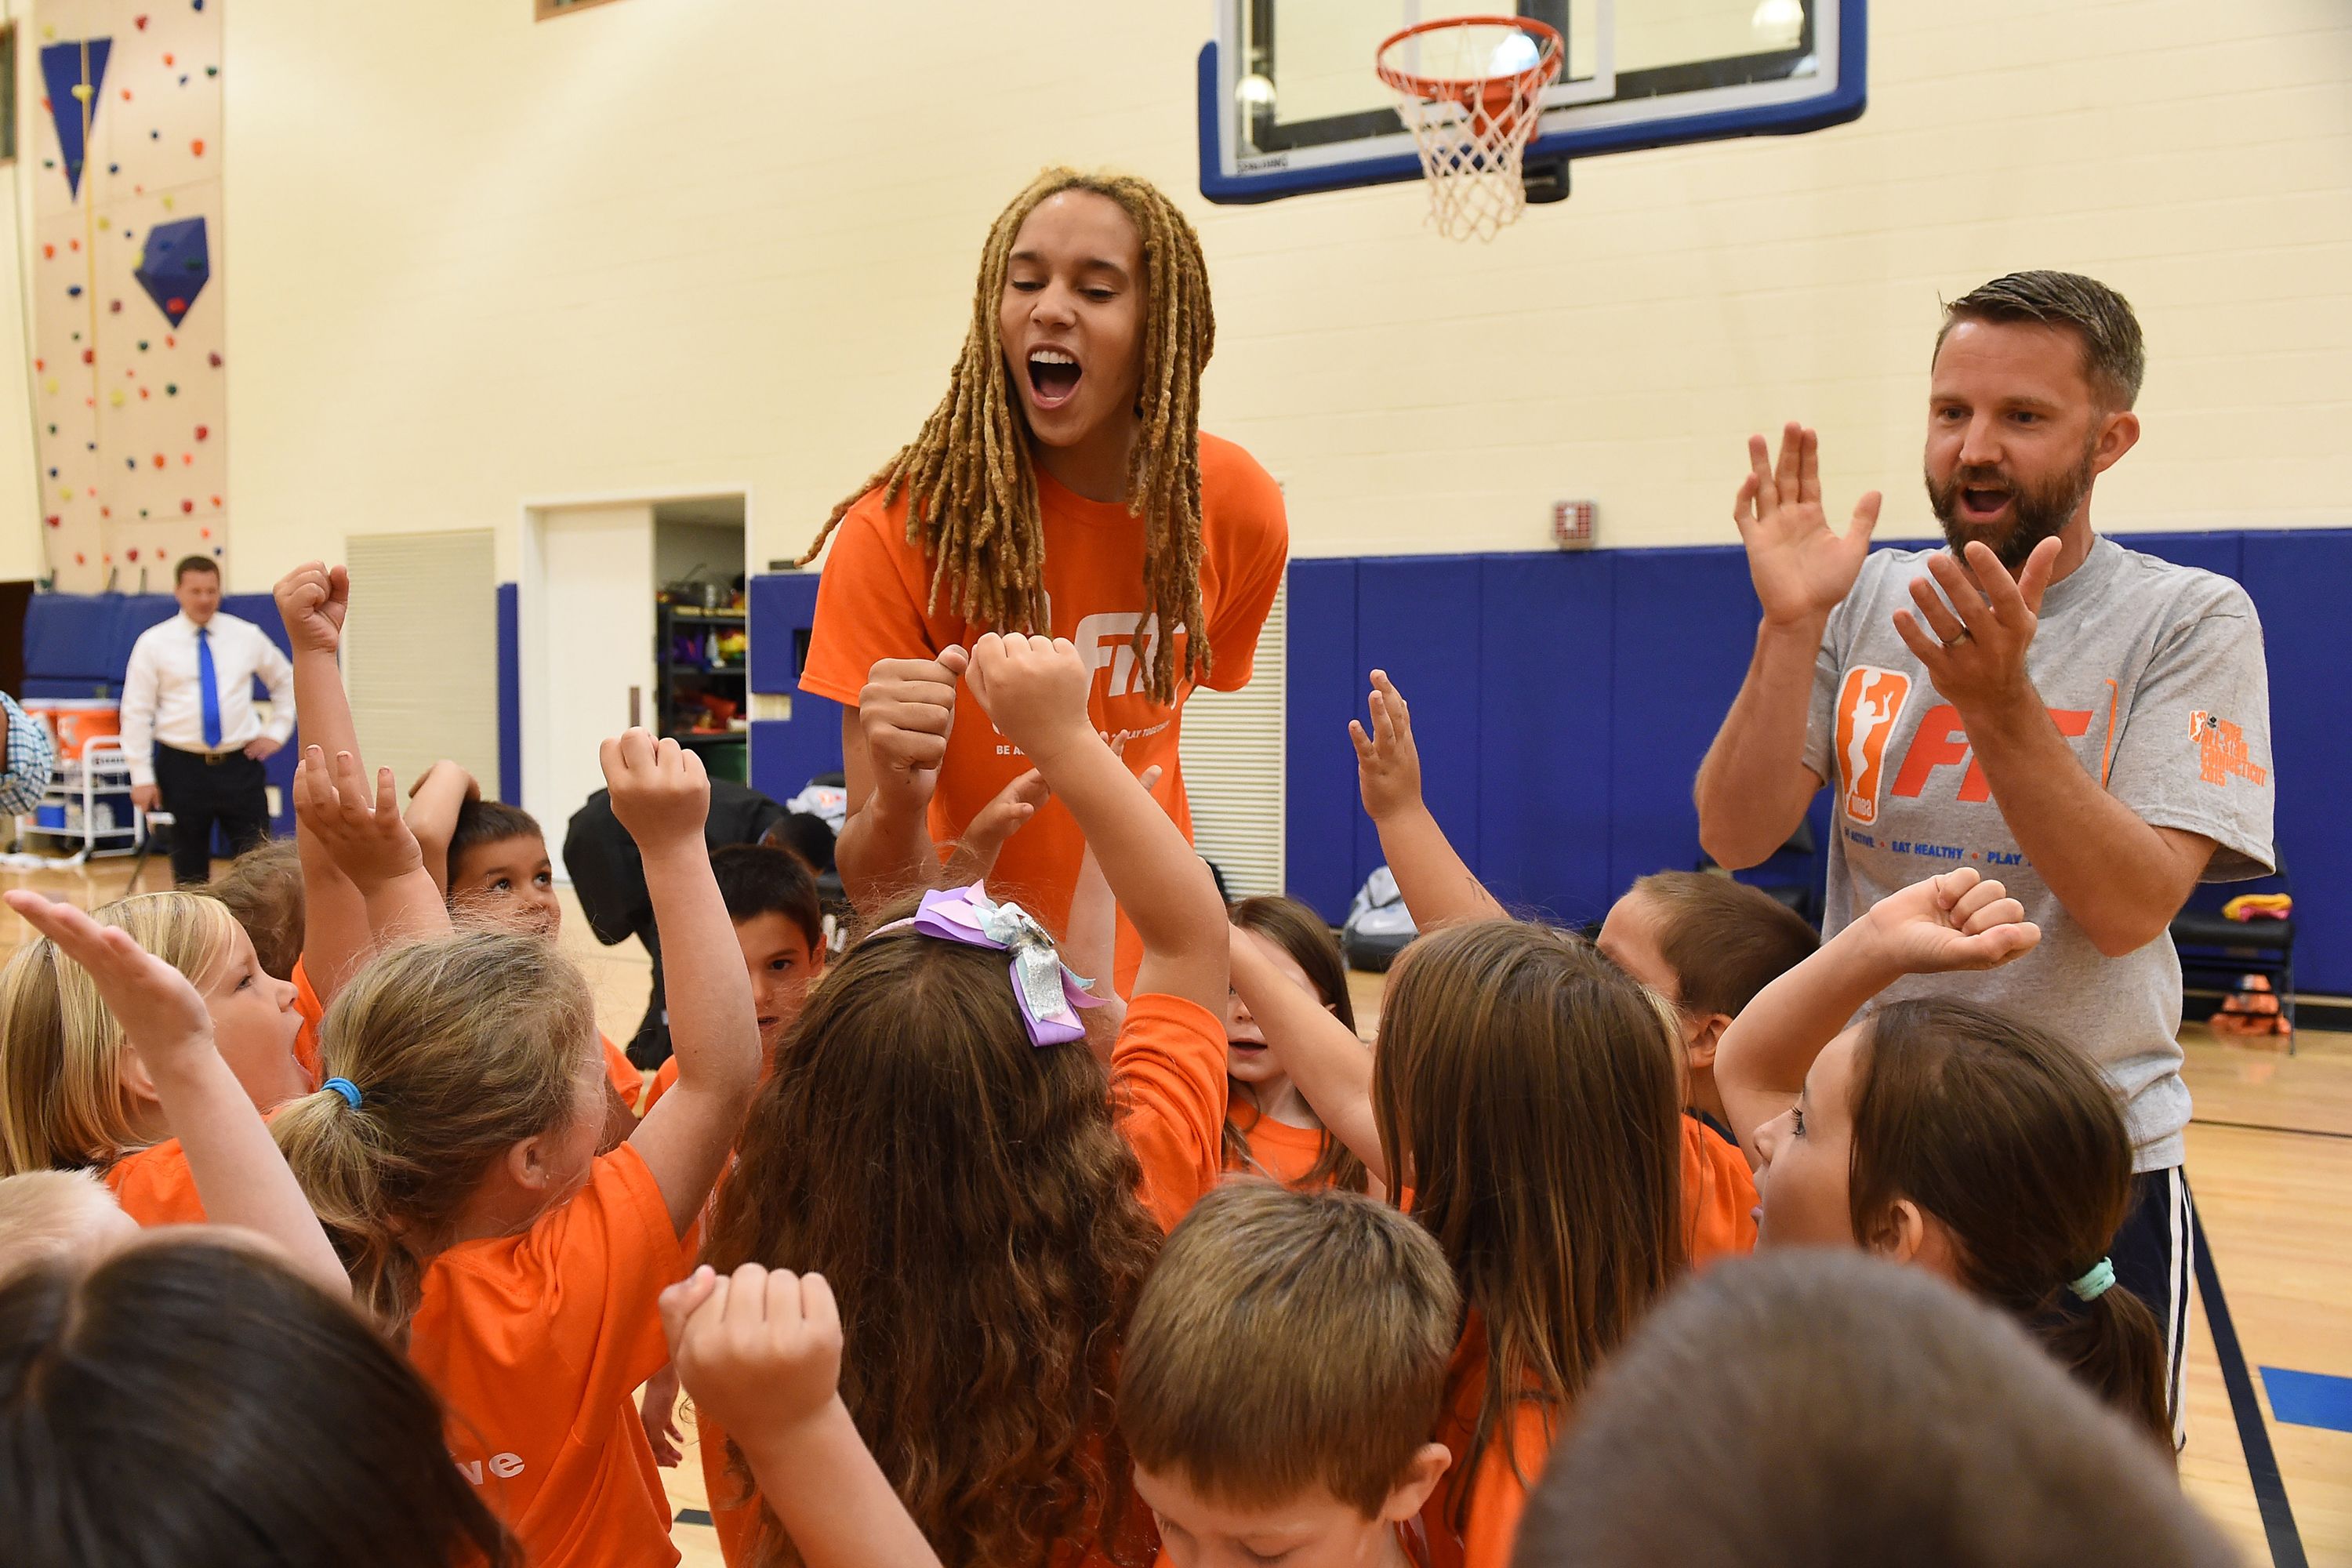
(531, 683)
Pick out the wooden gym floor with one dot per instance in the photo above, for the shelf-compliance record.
(2270, 1159)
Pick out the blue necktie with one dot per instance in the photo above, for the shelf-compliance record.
(209, 684)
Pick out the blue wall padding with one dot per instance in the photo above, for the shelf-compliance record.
(1318, 762)
(510, 693)
(1563, 701)
(1418, 618)
(1545, 704)
(788, 753)
(2301, 584)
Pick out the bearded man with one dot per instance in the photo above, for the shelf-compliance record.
(2086, 724)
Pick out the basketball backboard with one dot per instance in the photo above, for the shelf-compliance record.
(1289, 103)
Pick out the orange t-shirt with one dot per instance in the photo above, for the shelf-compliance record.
(1514, 1461)
(665, 1080)
(627, 1081)
(1168, 1086)
(871, 605)
(536, 1343)
(155, 1187)
(305, 1041)
(1718, 1196)
(1277, 1148)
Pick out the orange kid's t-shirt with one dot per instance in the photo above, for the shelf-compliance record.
(306, 1039)
(1276, 1149)
(1168, 1090)
(155, 1187)
(874, 603)
(1718, 1196)
(1513, 1462)
(536, 1343)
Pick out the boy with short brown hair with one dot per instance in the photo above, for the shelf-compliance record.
(1281, 1377)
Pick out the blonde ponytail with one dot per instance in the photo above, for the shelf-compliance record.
(458, 1049)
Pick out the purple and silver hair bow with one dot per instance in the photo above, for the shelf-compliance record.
(1049, 991)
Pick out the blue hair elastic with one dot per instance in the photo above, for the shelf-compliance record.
(350, 1093)
(2093, 1285)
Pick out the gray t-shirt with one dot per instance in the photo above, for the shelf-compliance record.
(2155, 674)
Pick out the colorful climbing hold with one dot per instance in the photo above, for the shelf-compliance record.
(216, 503)
(169, 60)
(203, 431)
(40, 365)
(216, 359)
(143, 346)
(131, 463)
(187, 505)
(197, 146)
(48, 253)
(114, 307)
(115, 398)
(139, 23)
(186, 458)
(73, 290)
(65, 493)
(204, 533)
(88, 356)
(53, 522)
(171, 389)
(80, 559)
(132, 552)
(50, 385)
(211, 70)
(159, 460)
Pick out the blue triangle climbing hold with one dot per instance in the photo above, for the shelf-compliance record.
(175, 266)
(61, 72)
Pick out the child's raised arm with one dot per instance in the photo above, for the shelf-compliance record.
(1438, 888)
(1322, 1057)
(241, 1177)
(1954, 921)
(1034, 691)
(434, 801)
(363, 832)
(313, 601)
(760, 1351)
(662, 797)
(1091, 942)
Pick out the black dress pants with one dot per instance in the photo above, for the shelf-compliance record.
(199, 791)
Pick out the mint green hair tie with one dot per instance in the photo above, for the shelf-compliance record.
(2094, 1281)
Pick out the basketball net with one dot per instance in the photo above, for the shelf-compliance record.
(1470, 120)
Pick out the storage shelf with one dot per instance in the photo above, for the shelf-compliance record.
(690, 612)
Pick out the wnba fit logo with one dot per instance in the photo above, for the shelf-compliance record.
(1868, 706)
(1110, 641)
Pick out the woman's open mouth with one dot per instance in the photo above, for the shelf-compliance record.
(1054, 376)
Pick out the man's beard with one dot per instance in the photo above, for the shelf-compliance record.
(2038, 511)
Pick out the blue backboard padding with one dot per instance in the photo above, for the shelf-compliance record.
(2309, 1398)
(1319, 764)
(1839, 106)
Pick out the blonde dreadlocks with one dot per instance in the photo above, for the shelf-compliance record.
(972, 490)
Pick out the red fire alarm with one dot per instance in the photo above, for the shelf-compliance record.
(1574, 523)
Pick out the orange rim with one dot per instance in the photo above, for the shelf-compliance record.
(1471, 91)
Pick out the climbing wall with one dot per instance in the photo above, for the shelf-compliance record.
(129, 391)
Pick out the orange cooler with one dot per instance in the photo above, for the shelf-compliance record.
(77, 721)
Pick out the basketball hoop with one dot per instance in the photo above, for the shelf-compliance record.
(1471, 98)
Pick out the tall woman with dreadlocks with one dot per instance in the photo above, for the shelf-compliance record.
(1062, 487)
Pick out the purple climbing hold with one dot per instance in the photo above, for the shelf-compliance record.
(175, 266)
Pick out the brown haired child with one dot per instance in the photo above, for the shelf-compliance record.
(1719, 1195)
(1270, 1128)
(1313, 1449)
(1010, 1194)
(1783, 1412)
(1946, 1134)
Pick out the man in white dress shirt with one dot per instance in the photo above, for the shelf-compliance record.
(194, 744)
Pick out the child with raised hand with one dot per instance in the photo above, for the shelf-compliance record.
(453, 1159)
(1524, 1104)
(1270, 1128)
(1946, 1134)
(758, 1352)
(1009, 1197)
(485, 861)
(237, 1170)
(74, 1092)
(1718, 1196)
